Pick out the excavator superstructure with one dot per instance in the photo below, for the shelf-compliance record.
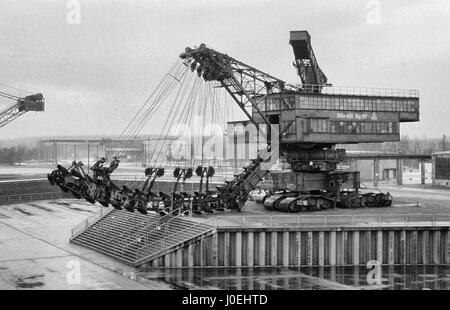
(311, 119)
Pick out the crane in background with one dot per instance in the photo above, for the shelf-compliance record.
(22, 105)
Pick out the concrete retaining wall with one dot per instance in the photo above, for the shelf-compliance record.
(27, 190)
(291, 247)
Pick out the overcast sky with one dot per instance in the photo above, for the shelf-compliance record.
(96, 74)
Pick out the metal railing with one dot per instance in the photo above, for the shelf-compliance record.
(89, 221)
(157, 226)
(162, 242)
(332, 221)
(350, 153)
(112, 238)
(360, 91)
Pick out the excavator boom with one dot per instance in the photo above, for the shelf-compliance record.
(247, 85)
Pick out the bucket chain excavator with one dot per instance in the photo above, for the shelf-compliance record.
(303, 123)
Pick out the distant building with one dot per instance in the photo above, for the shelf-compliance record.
(387, 169)
(441, 168)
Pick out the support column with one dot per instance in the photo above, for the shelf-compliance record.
(215, 250)
(321, 248)
(391, 247)
(425, 246)
(340, 248)
(436, 246)
(333, 248)
(173, 259)
(155, 263)
(356, 248)
(250, 250)
(368, 245)
(274, 249)
(403, 247)
(422, 172)
(345, 247)
(376, 172)
(262, 248)
(190, 256)
(286, 249)
(202, 260)
(179, 258)
(298, 241)
(238, 249)
(380, 246)
(226, 254)
(399, 171)
(413, 247)
(167, 260)
(309, 248)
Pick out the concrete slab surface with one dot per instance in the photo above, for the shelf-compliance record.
(35, 252)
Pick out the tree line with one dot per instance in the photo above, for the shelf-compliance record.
(17, 155)
(422, 145)
(406, 145)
